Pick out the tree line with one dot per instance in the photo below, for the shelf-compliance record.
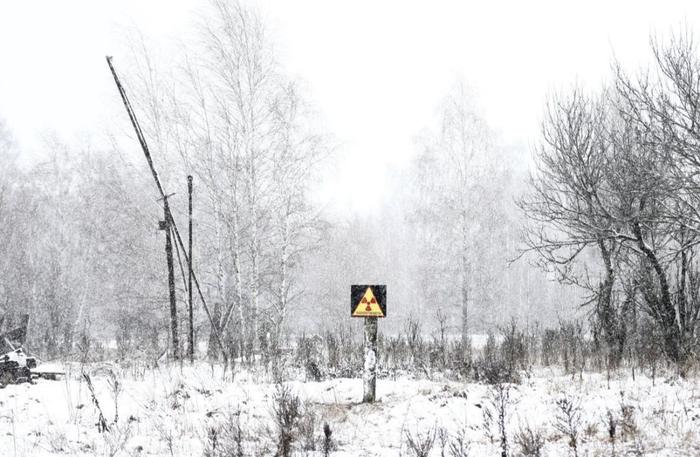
(83, 255)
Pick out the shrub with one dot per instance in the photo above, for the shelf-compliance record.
(496, 413)
(568, 421)
(328, 444)
(420, 444)
(225, 439)
(286, 414)
(530, 442)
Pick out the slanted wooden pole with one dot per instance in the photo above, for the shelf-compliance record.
(369, 376)
(189, 278)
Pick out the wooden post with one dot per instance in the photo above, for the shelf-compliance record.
(171, 279)
(369, 376)
(189, 280)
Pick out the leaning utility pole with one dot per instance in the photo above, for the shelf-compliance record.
(178, 239)
(189, 279)
(166, 225)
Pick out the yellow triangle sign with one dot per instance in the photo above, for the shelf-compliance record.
(368, 306)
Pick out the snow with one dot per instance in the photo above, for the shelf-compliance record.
(166, 411)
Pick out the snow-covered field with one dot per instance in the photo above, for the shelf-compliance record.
(169, 412)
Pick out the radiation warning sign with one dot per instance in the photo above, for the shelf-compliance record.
(368, 301)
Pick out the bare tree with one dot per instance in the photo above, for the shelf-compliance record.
(451, 173)
(661, 106)
(568, 204)
(616, 173)
(295, 223)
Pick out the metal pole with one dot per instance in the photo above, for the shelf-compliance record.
(369, 377)
(189, 280)
(171, 280)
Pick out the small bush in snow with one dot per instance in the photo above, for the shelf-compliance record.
(286, 414)
(494, 371)
(308, 356)
(307, 428)
(496, 413)
(420, 443)
(611, 426)
(225, 439)
(500, 401)
(568, 421)
(530, 442)
(493, 367)
(327, 444)
(628, 424)
(458, 445)
(514, 348)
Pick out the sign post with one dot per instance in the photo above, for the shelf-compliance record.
(369, 376)
(369, 301)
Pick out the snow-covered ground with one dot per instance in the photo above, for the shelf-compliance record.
(168, 412)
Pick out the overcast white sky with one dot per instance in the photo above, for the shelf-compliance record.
(375, 69)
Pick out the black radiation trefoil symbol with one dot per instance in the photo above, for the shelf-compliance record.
(368, 303)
